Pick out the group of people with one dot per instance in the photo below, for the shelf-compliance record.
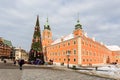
(37, 62)
(21, 62)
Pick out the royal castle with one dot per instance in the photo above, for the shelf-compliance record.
(76, 48)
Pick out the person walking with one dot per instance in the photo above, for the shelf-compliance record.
(5, 61)
(14, 62)
(21, 62)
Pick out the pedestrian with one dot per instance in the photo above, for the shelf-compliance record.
(21, 62)
(5, 61)
(96, 68)
(14, 62)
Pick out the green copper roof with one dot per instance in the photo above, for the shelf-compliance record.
(7, 43)
(78, 25)
(47, 26)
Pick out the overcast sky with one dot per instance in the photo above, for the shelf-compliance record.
(99, 18)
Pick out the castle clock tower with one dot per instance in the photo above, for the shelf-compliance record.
(46, 38)
(47, 35)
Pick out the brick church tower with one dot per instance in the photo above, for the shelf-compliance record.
(36, 51)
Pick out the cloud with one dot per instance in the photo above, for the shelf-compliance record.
(98, 18)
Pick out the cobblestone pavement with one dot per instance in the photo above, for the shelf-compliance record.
(44, 74)
(11, 72)
(48, 74)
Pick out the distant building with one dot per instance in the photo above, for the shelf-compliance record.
(115, 53)
(76, 48)
(21, 54)
(5, 48)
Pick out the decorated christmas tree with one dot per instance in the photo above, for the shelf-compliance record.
(36, 51)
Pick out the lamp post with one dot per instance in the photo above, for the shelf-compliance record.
(68, 55)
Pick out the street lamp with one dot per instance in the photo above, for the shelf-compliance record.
(68, 55)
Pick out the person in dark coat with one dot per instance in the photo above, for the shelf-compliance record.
(5, 61)
(21, 62)
(14, 62)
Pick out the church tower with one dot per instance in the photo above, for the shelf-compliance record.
(47, 35)
(78, 29)
(36, 51)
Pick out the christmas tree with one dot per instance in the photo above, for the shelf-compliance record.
(36, 51)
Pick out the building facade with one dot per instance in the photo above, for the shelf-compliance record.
(5, 48)
(76, 48)
(21, 54)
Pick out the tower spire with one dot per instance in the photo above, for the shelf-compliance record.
(78, 18)
(37, 22)
(47, 26)
(78, 25)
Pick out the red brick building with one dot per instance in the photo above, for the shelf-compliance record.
(76, 48)
(5, 48)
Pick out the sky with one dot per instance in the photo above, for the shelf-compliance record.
(99, 18)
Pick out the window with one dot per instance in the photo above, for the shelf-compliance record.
(95, 60)
(68, 43)
(63, 52)
(69, 59)
(74, 60)
(83, 42)
(90, 59)
(87, 53)
(87, 60)
(66, 52)
(90, 53)
(83, 60)
(58, 54)
(94, 54)
(59, 59)
(90, 45)
(74, 51)
(86, 43)
(74, 42)
(64, 59)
